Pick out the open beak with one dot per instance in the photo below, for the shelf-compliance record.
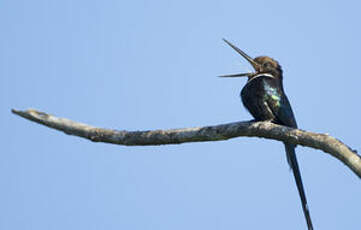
(248, 58)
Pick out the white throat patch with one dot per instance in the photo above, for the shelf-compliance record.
(261, 75)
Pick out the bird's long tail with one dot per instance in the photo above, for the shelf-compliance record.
(292, 161)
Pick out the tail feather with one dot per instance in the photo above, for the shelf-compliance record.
(292, 161)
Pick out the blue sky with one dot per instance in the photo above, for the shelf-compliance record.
(153, 64)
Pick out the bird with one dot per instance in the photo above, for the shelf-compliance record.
(264, 97)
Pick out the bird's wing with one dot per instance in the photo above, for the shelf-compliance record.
(285, 114)
(278, 102)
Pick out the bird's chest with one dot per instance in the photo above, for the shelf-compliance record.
(261, 89)
(259, 95)
(253, 89)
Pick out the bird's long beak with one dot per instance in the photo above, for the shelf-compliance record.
(238, 75)
(248, 58)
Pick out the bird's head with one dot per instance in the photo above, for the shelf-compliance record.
(262, 64)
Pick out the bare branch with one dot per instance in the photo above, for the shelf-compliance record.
(208, 133)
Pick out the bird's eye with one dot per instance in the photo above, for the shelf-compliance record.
(267, 64)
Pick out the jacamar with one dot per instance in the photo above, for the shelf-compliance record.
(264, 97)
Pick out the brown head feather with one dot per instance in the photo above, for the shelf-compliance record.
(268, 65)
